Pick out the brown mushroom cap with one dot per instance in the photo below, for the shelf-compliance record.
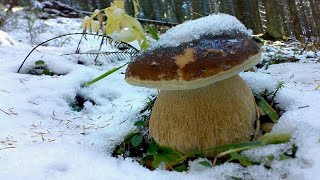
(194, 64)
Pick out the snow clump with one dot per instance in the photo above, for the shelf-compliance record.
(216, 24)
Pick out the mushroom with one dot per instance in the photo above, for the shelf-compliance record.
(202, 102)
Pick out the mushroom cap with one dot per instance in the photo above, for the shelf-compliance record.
(194, 64)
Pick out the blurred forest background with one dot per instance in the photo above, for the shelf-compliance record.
(275, 19)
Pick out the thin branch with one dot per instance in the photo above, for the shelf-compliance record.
(71, 34)
(5, 112)
(10, 147)
(101, 43)
(106, 53)
(78, 47)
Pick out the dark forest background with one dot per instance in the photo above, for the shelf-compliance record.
(276, 19)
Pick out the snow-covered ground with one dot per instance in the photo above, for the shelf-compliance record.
(41, 137)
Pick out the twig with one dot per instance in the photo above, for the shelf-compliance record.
(95, 59)
(5, 112)
(5, 91)
(71, 34)
(78, 47)
(10, 147)
(32, 102)
(11, 112)
(304, 48)
(301, 107)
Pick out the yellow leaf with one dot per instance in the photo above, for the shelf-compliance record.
(85, 22)
(119, 3)
(100, 19)
(125, 35)
(95, 13)
(144, 45)
(121, 26)
(136, 7)
(95, 26)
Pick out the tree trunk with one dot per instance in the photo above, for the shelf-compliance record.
(248, 14)
(196, 9)
(206, 6)
(146, 9)
(94, 4)
(295, 19)
(171, 15)
(215, 6)
(12, 4)
(129, 8)
(315, 9)
(178, 9)
(104, 3)
(274, 15)
(256, 19)
(226, 6)
(158, 10)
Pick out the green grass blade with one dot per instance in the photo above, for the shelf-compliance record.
(267, 108)
(104, 75)
(233, 146)
(235, 150)
(152, 32)
(275, 138)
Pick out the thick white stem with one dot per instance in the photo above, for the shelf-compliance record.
(218, 114)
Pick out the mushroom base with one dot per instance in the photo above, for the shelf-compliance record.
(191, 120)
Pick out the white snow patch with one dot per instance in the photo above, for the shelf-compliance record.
(5, 39)
(259, 82)
(215, 24)
(262, 154)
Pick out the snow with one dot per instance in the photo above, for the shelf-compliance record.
(215, 24)
(41, 137)
(5, 39)
(262, 154)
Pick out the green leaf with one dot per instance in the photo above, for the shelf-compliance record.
(153, 147)
(136, 140)
(283, 157)
(139, 123)
(275, 138)
(153, 32)
(104, 75)
(166, 155)
(121, 151)
(181, 168)
(242, 159)
(39, 63)
(129, 136)
(267, 108)
(75, 107)
(47, 72)
(205, 163)
(144, 45)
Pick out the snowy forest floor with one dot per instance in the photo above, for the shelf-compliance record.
(42, 137)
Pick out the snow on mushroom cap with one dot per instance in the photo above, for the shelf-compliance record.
(215, 24)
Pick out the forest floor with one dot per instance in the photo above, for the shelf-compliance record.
(44, 134)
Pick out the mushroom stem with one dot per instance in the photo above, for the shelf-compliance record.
(197, 119)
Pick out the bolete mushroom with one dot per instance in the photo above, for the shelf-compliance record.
(202, 102)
